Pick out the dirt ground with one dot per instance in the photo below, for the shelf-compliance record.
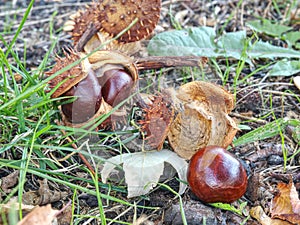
(263, 160)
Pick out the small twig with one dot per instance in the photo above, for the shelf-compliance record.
(121, 214)
(157, 62)
(248, 118)
(267, 9)
(279, 93)
(63, 209)
(87, 35)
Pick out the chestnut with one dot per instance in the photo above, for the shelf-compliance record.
(216, 175)
(116, 86)
(88, 99)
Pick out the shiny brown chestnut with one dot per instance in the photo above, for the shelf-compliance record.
(88, 99)
(116, 86)
(216, 175)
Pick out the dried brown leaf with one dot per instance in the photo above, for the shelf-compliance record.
(286, 204)
(43, 215)
(65, 216)
(14, 205)
(9, 181)
(258, 213)
(43, 196)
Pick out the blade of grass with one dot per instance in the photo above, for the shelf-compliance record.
(20, 27)
(27, 156)
(184, 221)
(280, 128)
(267, 131)
(99, 196)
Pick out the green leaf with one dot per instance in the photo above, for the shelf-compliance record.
(229, 207)
(201, 42)
(285, 68)
(265, 26)
(193, 41)
(292, 37)
(296, 129)
(232, 44)
(296, 134)
(276, 30)
(265, 50)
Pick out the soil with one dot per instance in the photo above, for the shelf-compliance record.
(263, 159)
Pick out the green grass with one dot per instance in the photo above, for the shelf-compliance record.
(32, 142)
(27, 127)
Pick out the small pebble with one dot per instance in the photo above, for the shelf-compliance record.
(275, 160)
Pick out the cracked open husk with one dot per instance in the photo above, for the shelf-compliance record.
(104, 60)
(96, 64)
(202, 118)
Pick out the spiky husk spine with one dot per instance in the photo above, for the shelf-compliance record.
(157, 118)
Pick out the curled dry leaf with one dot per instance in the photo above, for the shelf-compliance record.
(258, 213)
(143, 169)
(202, 118)
(43, 195)
(286, 204)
